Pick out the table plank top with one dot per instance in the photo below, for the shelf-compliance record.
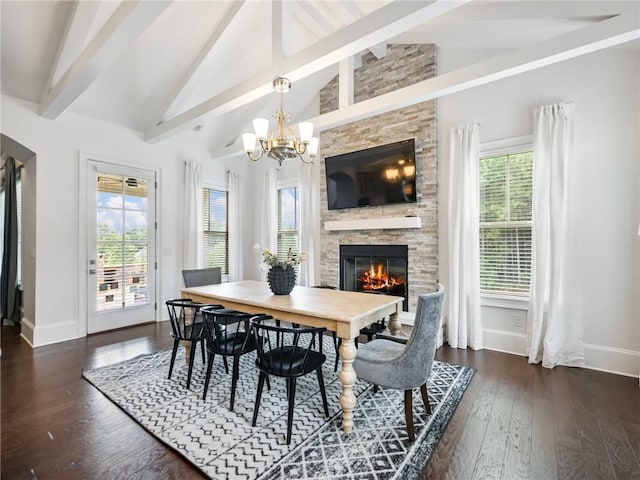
(338, 305)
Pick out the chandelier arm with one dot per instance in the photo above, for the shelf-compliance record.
(255, 159)
(310, 162)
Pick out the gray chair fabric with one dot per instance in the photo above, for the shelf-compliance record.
(201, 276)
(407, 366)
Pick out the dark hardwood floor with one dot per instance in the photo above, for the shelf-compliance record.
(515, 420)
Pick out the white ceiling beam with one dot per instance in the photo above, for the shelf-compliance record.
(510, 10)
(605, 34)
(280, 30)
(351, 11)
(126, 24)
(318, 17)
(74, 37)
(379, 50)
(176, 99)
(345, 83)
(384, 23)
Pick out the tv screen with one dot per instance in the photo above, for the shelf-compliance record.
(376, 176)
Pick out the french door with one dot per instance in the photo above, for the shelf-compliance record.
(121, 236)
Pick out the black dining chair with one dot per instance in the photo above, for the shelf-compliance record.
(228, 334)
(186, 326)
(286, 352)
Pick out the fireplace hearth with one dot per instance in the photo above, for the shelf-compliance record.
(376, 269)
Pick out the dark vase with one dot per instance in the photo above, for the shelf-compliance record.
(281, 280)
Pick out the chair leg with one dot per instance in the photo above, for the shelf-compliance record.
(203, 348)
(234, 379)
(376, 387)
(292, 397)
(207, 375)
(192, 356)
(261, 378)
(425, 398)
(176, 343)
(408, 414)
(323, 393)
(336, 342)
(226, 365)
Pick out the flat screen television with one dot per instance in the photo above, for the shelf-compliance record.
(375, 176)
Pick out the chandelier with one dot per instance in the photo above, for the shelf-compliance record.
(280, 143)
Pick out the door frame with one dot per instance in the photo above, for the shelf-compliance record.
(83, 234)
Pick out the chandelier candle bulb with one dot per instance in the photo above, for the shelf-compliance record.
(261, 128)
(249, 141)
(312, 148)
(306, 131)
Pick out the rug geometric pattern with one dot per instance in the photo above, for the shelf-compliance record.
(223, 445)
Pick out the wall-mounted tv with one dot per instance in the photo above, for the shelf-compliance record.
(375, 176)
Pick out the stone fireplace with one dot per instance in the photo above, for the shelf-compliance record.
(375, 269)
(414, 225)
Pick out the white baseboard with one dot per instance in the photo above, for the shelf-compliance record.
(26, 330)
(597, 357)
(612, 360)
(48, 334)
(503, 341)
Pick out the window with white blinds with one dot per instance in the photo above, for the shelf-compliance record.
(216, 228)
(288, 205)
(506, 188)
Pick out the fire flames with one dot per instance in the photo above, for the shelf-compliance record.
(376, 278)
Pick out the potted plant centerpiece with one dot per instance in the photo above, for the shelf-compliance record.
(281, 272)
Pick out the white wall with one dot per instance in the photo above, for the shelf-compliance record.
(604, 87)
(57, 144)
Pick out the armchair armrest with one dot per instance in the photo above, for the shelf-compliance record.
(392, 338)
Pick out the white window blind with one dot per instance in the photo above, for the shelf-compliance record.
(288, 205)
(216, 231)
(506, 187)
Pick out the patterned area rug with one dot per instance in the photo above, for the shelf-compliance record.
(223, 445)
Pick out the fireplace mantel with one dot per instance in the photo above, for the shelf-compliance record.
(374, 223)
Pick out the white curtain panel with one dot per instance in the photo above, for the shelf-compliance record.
(269, 226)
(192, 232)
(308, 224)
(464, 326)
(235, 229)
(554, 319)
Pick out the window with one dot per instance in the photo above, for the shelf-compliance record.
(506, 187)
(216, 231)
(288, 205)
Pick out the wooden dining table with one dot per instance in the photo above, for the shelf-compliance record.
(339, 311)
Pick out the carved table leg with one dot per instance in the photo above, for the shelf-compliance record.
(348, 378)
(394, 324)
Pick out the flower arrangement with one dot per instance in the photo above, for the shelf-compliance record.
(270, 260)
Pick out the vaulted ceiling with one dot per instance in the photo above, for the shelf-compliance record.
(204, 68)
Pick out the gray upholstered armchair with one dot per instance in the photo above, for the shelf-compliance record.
(387, 363)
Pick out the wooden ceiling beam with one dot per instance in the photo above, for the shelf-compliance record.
(384, 23)
(605, 34)
(126, 24)
(74, 37)
(174, 101)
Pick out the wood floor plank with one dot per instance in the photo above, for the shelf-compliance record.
(55, 425)
(517, 459)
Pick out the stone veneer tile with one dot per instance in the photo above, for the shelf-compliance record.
(402, 66)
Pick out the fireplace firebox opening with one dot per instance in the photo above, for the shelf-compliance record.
(377, 269)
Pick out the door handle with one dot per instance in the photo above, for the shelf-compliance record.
(92, 272)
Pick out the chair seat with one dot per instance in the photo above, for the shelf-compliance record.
(372, 360)
(234, 344)
(290, 361)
